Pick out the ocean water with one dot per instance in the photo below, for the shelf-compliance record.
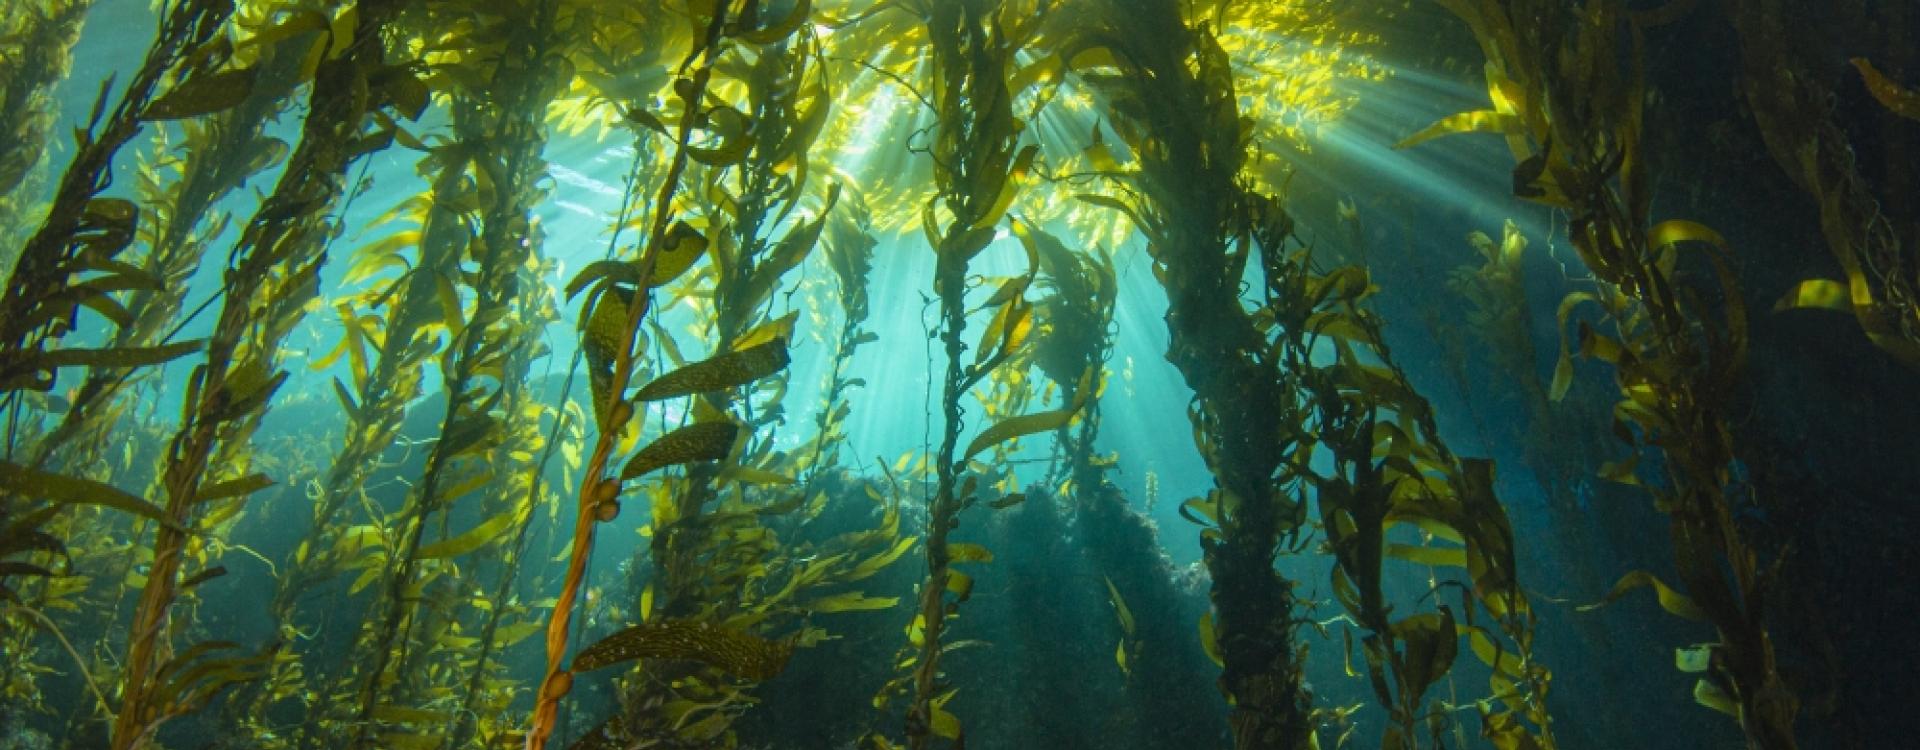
(957, 373)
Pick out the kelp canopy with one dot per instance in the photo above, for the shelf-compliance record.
(776, 373)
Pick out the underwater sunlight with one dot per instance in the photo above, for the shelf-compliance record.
(934, 374)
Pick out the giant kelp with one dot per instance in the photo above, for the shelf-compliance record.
(1390, 467)
(1074, 341)
(1573, 116)
(749, 187)
(479, 240)
(83, 232)
(193, 46)
(179, 186)
(272, 272)
(1268, 412)
(1175, 106)
(36, 45)
(620, 288)
(978, 167)
(777, 146)
(215, 155)
(717, 531)
(1875, 251)
(847, 243)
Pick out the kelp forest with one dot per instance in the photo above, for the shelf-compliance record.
(934, 374)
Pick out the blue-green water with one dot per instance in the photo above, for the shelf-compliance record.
(1091, 625)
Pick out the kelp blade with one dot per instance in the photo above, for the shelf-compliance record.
(1013, 427)
(76, 491)
(1901, 101)
(1671, 600)
(724, 371)
(733, 651)
(704, 441)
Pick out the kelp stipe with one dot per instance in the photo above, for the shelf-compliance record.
(479, 239)
(177, 184)
(717, 546)
(520, 295)
(610, 322)
(1878, 257)
(1173, 101)
(1074, 341)
(750, 186)
(1390, 467)
(1676, 358)
(848, 243)
(1166, 697)
(394, 325)
(192, 50)
(273, 271)
(36, 44)
(213, 157)
(978, 167)
(715, 530)
(83, 232)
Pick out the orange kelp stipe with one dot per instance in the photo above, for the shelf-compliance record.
(617, 409)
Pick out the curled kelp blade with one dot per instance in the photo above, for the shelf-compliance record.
(1901, 101)
(703, 441)
(724, 371)
(683, 247)
(603, 327)
(733, 651)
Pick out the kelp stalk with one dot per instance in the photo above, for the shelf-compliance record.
(36, 55)
(1677, 358)
(747, 195)
(1074, 346)
(975, 168)
(849, 251)
(220, 152)
(499, 136)
(611, 405)
(1879, 258)
(1174, 100)
(278, 253)
(82, 232)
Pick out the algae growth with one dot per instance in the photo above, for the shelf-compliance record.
(787, 374)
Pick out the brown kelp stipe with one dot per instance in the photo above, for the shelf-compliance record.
(1879, 258)
(273, 272)
(233, 512)
(612, 409)
(978, 166)
(1572, 111)
(1174, 103)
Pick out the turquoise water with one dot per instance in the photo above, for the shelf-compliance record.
(1092, 624)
